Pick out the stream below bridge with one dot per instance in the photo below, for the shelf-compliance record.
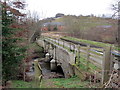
(47, 73)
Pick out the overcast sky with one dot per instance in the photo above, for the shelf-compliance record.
(49, 8)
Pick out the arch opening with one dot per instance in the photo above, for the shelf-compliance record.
(60, 72)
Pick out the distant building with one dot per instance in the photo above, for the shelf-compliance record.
(59, 15)
(51, 26)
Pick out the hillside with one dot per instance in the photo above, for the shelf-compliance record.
(89, 27)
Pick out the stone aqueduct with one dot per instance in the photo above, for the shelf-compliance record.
(60, 55)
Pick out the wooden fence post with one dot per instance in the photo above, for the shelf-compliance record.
(24, 67)
(70, 46)
(74, 48)
(58, 41)
(111, 61)
(106, 64)
(38, 73)
(78, 54)
(42, 36)
(44, 46)
(88, 56)
(63, 43)
(54, 53)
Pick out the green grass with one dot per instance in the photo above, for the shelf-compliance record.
(83, 22)
(22, 84)
(100, 44)
(73, 82)
(34, 47)
(117, 48)
(83, 65)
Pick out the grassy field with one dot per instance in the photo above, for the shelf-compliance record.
(73, 82)
(89, 27)
(83, 22)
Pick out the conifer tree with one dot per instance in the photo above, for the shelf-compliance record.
(12, 54)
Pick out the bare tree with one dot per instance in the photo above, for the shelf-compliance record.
(116, 9)
(33, 23)
(72, 25)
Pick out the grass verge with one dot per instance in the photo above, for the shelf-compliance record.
(22, 84)
(100, 44)
(73, 82)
